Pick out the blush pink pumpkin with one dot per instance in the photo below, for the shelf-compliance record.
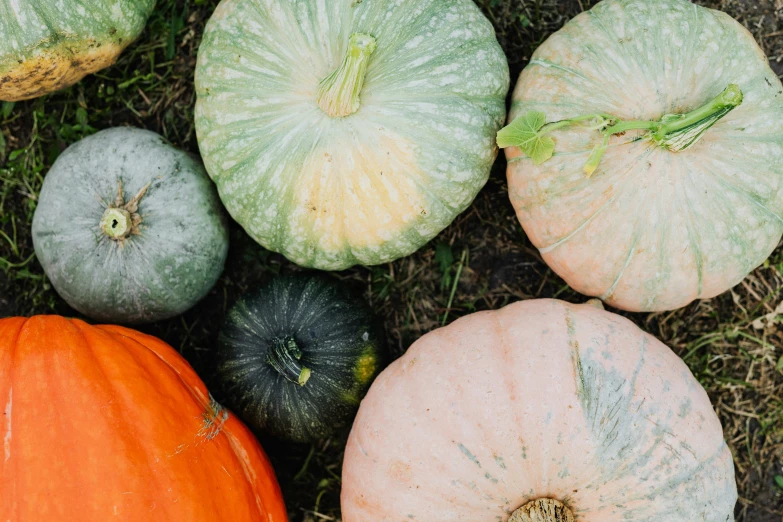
(656, 226)
(569, 407)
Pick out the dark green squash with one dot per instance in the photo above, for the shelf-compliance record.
(296, 357)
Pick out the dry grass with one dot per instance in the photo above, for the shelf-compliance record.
(733, 343)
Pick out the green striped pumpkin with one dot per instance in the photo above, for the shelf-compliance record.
(345, 132)
(46, 45)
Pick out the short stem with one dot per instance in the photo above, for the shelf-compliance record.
(679, 132)
(117, 223)
(283, 356)
(542, 510)
(338, 93)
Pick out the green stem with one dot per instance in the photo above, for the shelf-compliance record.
(675, 132)
(116, 223)
(283, 356)
(679, 132)
(338, 93)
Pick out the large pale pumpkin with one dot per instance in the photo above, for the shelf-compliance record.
(105, 423)
(537, 411)
(348, 132)
(677, 208)
(46, 45)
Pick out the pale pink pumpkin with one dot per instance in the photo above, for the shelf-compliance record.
(657, 225)
(539, 400)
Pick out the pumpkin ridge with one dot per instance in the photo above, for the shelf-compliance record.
(618, 194)
(214, 416)
(631, 251)
(128, 433)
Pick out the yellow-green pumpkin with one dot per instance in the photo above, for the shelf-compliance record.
(347, 132)
(46, 45)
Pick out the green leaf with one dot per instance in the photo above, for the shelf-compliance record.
(8, 108)
(81, 117)
(526, 133)
(445, 259)
(779, 481)
(595, 157)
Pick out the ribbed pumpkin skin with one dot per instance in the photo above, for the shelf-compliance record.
(342, 344)
(540, 399)
(46, 45)
(652, 229)
(104, 423)
(183, 241)
(376, 185)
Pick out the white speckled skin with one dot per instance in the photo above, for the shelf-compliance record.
(652, 229)
(50, 44)
(376, 185)
(160, 273)
(541, 399)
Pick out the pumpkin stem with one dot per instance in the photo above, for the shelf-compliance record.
(117, 223)
(122, 219)
(338, 93)
(283, 356)
(680, 131)
(675, 132)
(542, 510)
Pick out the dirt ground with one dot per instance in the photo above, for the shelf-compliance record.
(733, 343)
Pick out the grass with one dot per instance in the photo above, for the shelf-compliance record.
(733, 343)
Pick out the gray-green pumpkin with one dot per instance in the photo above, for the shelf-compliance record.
(128, 228)
(347, 132)
(46, 45)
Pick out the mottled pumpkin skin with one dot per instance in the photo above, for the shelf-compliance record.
(166, 269)
(342, 344)
(46, 45)
(541, 399)
(364, 189)
(105, 423)
(652, 229)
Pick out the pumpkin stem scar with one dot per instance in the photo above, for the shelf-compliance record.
(596, 303)
(121, 219)
(542, 510)
(213, 420)
(283, 356)
(338, 93)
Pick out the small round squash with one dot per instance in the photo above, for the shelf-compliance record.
(128, 228)
(46, 45)
(105, 423)
(656, 180)
(348, 132)
(542, 411)
(297, 355)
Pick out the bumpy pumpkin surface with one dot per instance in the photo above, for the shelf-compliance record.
(46, 45)
(105, 423)
(348, 132)
(297, 355)
(129, 229)
(652, 229)
(539, 411)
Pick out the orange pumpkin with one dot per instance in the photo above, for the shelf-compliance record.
(105, 423)
(541, 411)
